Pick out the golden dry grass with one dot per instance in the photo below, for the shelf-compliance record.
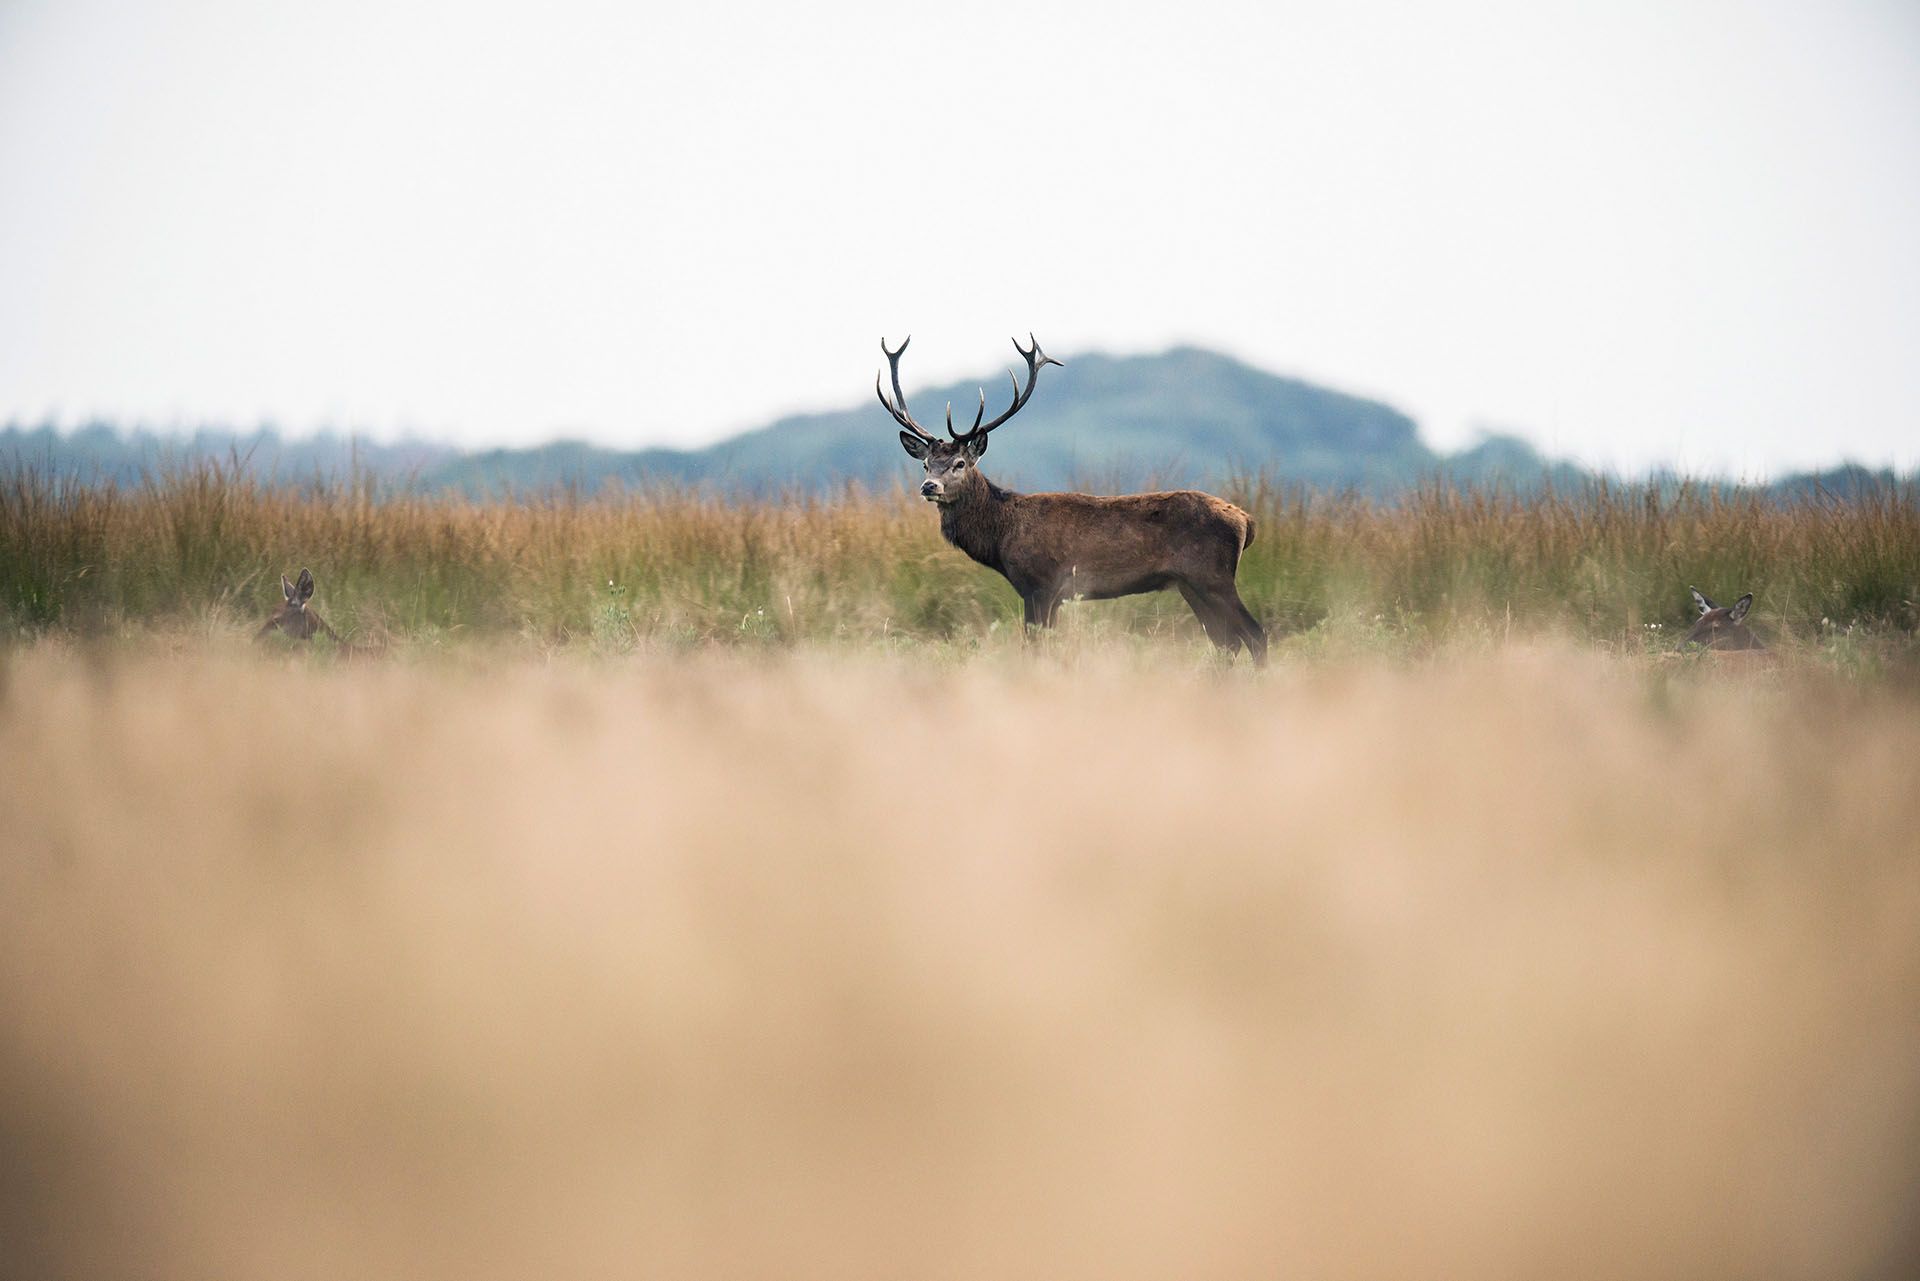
(627, 568)
(1522, 962)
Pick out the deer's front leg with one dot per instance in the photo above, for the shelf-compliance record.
(1040, 607)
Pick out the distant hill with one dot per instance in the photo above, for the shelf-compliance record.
(1181, 417)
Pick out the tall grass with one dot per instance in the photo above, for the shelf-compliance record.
(208, 544)
(830, 964)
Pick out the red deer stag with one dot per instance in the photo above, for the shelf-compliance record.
(1722, 626)
(1055, 546)
(293, 618)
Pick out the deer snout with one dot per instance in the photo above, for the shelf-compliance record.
(929, 488)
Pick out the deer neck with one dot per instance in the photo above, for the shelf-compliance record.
(976, 522)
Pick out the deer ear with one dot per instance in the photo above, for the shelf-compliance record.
(977, 445)
(913, 444)
(1740, 608)
(305, 586)
(1700, 600)
(286, 588)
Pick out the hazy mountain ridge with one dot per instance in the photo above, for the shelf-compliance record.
(1182, 417)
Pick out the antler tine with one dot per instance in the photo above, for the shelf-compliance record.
(893, 366)
(1035, 358)
(898, 417)
(898, 405)
(978, 415)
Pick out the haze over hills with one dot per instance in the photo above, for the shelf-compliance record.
(1182, 417)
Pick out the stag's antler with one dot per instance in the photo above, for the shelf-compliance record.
(898, 405)
(1035, 358)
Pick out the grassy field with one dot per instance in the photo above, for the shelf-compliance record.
(775, 911)
(204, 549)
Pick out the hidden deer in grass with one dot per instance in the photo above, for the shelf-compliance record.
(1721, 626)
(1052, 547)
(293, 618)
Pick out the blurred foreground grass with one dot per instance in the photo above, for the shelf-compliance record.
(711, 889)
(204, 548)
(1106, 963)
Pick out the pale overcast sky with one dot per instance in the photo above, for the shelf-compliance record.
(1634, 232)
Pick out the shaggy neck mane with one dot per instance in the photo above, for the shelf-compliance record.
(975, 523)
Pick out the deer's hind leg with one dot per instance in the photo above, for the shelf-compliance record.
(1252, 634)
(1229, 623)
(1221, 629)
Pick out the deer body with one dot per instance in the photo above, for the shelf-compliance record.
(1052, 547)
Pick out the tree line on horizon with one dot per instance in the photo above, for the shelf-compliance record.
(1186, 417)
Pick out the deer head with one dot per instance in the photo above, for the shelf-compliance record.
(1721, 626)
(293, 618)
(951, 471)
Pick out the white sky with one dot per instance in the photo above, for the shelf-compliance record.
(1635, 232)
